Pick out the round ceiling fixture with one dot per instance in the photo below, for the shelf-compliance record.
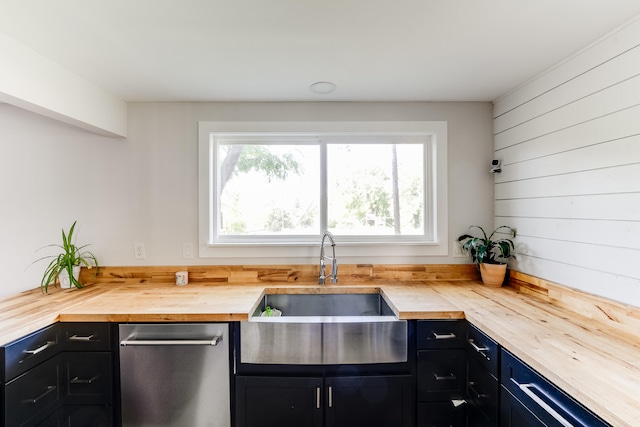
(322, 88)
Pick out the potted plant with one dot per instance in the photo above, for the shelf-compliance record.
(65, 267)
(489, 254)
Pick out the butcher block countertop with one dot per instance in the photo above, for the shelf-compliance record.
(598, 365)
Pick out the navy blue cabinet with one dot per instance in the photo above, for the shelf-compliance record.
(279, 401)
(482, 383)
(440, 372)
(384, 401)
(529, 399)
(355, 401)
(59, 375)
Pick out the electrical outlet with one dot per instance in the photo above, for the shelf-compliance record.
(187, 250)
(457, 250)
(139, 251)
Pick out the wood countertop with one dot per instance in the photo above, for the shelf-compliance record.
(596, 364)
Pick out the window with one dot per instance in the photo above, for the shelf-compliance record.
(282, 184)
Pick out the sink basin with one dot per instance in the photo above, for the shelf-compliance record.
(318, 308)
(323, 329)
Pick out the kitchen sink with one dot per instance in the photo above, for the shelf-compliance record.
(315, 308)
(323, 329)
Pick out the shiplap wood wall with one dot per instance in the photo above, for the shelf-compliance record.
(570, 182)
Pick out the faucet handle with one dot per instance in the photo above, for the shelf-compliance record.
(322, 277)
(334, 271)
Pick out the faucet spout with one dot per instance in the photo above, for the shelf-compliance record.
(333, 277)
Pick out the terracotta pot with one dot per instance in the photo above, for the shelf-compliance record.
(493, 274)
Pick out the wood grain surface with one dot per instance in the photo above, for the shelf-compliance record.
(303, 274)
(586, 345)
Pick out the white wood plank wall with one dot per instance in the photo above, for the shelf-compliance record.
(569, 141)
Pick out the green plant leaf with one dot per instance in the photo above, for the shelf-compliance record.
(70, 256)
(486, 248)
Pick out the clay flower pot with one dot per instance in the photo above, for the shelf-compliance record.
(493, 274)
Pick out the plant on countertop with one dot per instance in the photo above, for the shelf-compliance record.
(486, 249)
(490, 255)
(70, 257)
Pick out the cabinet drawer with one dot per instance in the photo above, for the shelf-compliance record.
(80, 416)
(87, 378)
(86, 336)
(549, 403)
(440, 414)
(440, 334)
(441, 374)
(514, 414)
(27, 352)
(483, 349)
(476, 418)
(482, 390)
(33, 394)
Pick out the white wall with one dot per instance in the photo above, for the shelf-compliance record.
(31, 81)
(143, 188)
(570, 145)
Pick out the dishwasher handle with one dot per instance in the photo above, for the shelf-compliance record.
(208, 341)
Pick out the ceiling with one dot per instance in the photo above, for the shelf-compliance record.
(273, 50)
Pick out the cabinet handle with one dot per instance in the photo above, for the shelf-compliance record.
(317, 397)
(36, 399)
(80, 338)
(40, 349)
(478, 395)
(449, 377)
(448, 336)
(77, 380)
(210, 341)
(526, 389)
(330, 397)
(479, 349)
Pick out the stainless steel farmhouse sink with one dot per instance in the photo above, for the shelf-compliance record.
(323, 329)
(316, 308)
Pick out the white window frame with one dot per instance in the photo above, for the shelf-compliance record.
(303, 251)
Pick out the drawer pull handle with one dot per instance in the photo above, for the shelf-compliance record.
(78, 380)
(210, 341)
(80, 338)
(40, 349)
(479, 349)
(449, 377)
(330, 397)
(449, 336)
(50, 389)
(317, 397)
(478, 395)
(526, 389)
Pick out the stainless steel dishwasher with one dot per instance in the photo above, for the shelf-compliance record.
(175, 374)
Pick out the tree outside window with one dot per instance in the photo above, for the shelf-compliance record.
(271, 187)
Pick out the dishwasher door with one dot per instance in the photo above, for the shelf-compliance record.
(175, 375)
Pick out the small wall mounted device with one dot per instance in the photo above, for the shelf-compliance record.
(496, 166)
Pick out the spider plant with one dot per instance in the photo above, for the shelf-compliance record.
(70, 256)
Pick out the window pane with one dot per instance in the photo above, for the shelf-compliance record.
(375, 189)
(266, 189)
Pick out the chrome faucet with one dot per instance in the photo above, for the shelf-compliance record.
(334, 263)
